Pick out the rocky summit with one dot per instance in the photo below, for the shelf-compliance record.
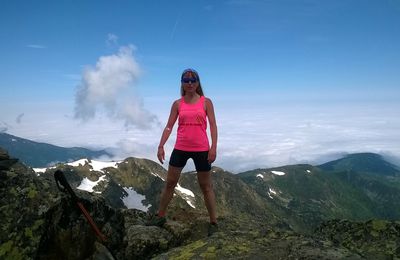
(257, 215)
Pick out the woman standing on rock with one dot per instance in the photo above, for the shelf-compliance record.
(191, 110)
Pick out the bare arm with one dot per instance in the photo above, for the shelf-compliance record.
(212, 154)
(167, 131)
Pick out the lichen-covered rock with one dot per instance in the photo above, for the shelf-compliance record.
(373, 239)
(5, 161)
(24, 200)
(3, 154)
(246, 240)
(40, 222)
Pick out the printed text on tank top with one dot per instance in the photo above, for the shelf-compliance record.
(192, 125)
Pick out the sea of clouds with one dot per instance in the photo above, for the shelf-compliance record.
(254, 131)
(252, 136)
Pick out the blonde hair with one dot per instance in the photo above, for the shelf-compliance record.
(199, 89)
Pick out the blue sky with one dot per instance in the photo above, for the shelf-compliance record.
(292, 81)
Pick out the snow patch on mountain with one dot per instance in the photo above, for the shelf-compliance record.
(260, 176)
(152, 173)
(77, 163)
(272, 191)
(96, 165)
(186, 194)
(38, 171)
(134, 200)
(278, 173)
(88, 185)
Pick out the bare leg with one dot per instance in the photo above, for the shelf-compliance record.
(206, 186)
(172, 179)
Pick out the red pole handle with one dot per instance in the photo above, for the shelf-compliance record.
(91, 222)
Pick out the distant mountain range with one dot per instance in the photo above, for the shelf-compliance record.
(368, 163)
(352, 202)
(36, 154)
(302, 195)
(356, 187)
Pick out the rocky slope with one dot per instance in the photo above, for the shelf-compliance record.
(40, 222)
(373, 239)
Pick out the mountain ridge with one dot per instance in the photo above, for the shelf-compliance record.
(8, 142)
(368, 163)
(288, 212)
(313, 194)
(38, 155)
(264, 213)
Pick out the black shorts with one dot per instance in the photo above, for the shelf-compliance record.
(179, 159)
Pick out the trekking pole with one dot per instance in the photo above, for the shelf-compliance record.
(64, 186)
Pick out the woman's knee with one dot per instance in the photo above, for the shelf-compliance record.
(171, 184)
(173, 177)
(206, 187)
(205, 181)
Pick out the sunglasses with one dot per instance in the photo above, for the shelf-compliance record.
(187, 80)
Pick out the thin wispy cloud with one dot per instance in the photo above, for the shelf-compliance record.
(109, 86)
(317, 39)
(178, 18)
(242, 2)
(209, 7)
(19, 118)
(74, 77)
(36, 46)
(112, 39)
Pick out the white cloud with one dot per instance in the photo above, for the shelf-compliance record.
(251, 135)
(271, 134)
(109, 87)
(3, 127)
(138, 145)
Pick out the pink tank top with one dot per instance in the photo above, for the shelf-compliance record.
(192, 126)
